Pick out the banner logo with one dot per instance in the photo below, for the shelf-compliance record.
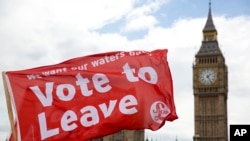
(159, 111)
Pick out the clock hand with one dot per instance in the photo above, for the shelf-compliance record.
(210, 80)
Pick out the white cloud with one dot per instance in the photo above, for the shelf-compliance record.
(141, 18)
(84, 15)
(39, 33)
(141, 23)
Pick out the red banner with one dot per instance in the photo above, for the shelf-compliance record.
(93, 96)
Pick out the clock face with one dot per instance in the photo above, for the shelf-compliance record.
(208, 76)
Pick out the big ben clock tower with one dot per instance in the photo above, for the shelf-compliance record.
(210, 87)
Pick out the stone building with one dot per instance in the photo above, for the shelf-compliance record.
(210, 88)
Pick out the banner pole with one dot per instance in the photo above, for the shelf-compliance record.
(9, 107)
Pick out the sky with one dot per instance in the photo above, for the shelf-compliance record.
(35, 33)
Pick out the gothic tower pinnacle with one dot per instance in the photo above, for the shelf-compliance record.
(209, 26)
(209, 42)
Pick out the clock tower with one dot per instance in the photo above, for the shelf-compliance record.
(210, 88)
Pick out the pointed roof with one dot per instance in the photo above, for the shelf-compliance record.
(210, 47)
(209, 24)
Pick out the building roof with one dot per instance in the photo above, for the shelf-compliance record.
(209, 48)
(209, 24)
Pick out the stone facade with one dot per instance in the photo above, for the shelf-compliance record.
(210, 88)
